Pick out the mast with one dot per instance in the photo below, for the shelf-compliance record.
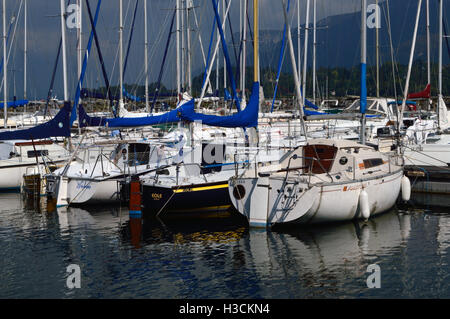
(441, 22)
(294, 67)
(256, 40)
(363, 97)
(5, 67)
(120, 54)
(25, 43)
(428, 51)
(305, 55)
(428, 43)
(224, 58)
(64, 56)
(218, 60)
(411, 56)
(79, 29)
(377, 55)
(215, 55)
(178, 52)
(183, 50)
(244, 52)
(298, 41)
(147, 105)
(188, 39)
(314, 49)
(440, 44)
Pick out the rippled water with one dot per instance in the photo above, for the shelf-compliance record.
(218, 258)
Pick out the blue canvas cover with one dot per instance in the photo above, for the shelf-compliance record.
(14, 104)
(84, 120)
(169, 117)
(245, 118)
(58, 126)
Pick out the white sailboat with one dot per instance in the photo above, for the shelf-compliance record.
(324, 181)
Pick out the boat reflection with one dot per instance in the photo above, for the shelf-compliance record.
(430, 200)
(326, 256)
(106, 220)
(207, 230)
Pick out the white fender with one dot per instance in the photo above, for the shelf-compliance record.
(364, 204)
(406, 188)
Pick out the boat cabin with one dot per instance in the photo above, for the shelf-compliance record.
(336, 159)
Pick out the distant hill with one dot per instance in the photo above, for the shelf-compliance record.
(338, 38)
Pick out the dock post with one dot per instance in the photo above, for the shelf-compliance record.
(135, 198)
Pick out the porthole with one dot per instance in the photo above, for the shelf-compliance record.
(343, 160)
(239, 192)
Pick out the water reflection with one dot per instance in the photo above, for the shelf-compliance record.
(218, 257)
(430, 200)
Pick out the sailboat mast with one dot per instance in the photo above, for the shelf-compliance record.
(64, 56)
(224, 58)
(5, 67)
(314, 48)
(244, 51)
(188, 39)
(79, 26)
(428, 51)
(256, 40)
(147, 105)
(428, 44)
(178, 51)
(363, 95)
(411, 56)
(294, 67)
(441, 22)
(299, 58)
(120, 53)
(25, 43)
(305, 54)
(377, 55)
(440, 44)
(183, 51)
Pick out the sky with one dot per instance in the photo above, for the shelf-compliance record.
(44, 32)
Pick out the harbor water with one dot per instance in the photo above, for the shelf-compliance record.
(220, 257)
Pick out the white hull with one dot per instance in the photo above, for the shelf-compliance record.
(297, 203)
(81, 191)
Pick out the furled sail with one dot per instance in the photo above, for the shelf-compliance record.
(246, 118)
(14, 104)
(56, 127)
(169, 117)
(443, 114)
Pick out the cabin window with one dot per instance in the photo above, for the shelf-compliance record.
(372, 162)
(138, 154)
(319, 158)
(37, 153)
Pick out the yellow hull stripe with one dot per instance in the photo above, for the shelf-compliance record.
(196, 189)
(201, 209)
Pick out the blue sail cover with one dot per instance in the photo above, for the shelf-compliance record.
(169, 117)
(14, 104)
(246, 118)
(84, 120)
(131, 96)
(58, 126)
(311, 104)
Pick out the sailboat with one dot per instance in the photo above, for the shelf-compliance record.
(326, 180)
(432, 150)
(200, 185)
